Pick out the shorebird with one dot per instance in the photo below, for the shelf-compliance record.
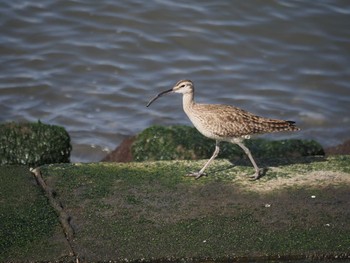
(224, 123)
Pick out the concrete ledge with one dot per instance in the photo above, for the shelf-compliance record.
(151, 212)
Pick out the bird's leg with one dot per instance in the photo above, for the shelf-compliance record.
(246, 150)
(201, 172)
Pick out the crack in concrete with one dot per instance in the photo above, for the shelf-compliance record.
(63, 217)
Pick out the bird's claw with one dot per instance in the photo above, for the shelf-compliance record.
(257, 174)
(196, 175)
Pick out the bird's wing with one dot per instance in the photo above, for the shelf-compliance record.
(230, 122)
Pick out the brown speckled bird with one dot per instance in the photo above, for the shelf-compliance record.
(224, 123)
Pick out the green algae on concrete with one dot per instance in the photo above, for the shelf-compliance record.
(29, 228)
(183, 142)
(33, 144)
(150, 211)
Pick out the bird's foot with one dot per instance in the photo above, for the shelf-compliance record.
(259, 173)
(196, 175)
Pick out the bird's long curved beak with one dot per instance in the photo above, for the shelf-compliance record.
(157, 96)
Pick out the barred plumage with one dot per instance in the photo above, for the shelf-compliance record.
(225, 123)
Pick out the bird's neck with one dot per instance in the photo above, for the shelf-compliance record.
(188, 101)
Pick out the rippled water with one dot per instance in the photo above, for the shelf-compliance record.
(91, 66)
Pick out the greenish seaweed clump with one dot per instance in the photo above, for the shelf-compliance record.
(184, 142)
(33, 144)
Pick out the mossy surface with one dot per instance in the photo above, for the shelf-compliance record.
(150, 211)
(29, 228)
(33, 144)
(184, 142)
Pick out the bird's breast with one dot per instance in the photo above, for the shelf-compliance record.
(204, 125)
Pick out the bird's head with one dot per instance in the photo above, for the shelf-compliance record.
(182, 86)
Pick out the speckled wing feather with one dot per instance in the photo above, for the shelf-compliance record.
(232, 122)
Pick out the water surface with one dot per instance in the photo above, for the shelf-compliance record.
(91, 66)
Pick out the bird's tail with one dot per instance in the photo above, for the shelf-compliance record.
(280, 125)
(292, 126)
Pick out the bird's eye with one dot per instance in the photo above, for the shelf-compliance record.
(182, 86)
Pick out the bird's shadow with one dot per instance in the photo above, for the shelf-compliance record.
(279, 161)
(265, 163)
